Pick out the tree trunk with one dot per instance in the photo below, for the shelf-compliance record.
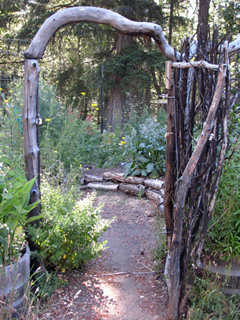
(116, 103)
(171, 22)
(203, 24)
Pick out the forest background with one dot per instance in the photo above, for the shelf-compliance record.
(133, 67)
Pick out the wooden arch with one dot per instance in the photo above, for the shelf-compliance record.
(36, 51)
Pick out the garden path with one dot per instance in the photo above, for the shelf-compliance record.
(122, 284)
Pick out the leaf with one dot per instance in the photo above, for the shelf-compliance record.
(144, 172)
(150, 167)
(142, 145)
(34, 218)
(143, 159)
(13, 223)
(32, 206)
(136, 172)
(25, 191)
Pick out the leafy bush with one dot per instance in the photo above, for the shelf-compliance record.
(224, 233)
(208, 302)
(146, 146)
(69, 232)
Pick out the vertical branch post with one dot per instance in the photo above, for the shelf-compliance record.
(31, 130)
(168, 207)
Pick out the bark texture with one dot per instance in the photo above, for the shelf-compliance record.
(96, 15)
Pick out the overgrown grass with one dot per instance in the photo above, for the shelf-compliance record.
(208, 302)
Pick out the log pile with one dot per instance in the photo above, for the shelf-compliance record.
(153, 189)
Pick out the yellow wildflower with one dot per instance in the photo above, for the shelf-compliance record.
(122, 143)
(83, 93)
(47, 120)
(97, 108)
(1, 89)
(6, 100)
(94, 105)
(10, 90)
(123, 138)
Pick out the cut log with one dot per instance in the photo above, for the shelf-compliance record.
(132, 189)
(103, 186)
(91, 178)
(115, 176)
(134, 180)
(154, 184)
(155, 196)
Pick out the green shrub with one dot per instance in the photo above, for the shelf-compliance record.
(146, 146)
(224, 233)
(69, 232)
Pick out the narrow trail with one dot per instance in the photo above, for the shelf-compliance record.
(122, 284)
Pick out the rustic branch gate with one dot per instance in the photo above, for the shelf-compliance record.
(196, 107)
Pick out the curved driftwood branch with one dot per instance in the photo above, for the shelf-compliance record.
(234, 46)
(97, 15)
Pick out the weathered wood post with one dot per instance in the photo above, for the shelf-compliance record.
(31, 129)
(31, 137)
(169, 183)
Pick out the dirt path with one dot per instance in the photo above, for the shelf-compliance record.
(122, 284)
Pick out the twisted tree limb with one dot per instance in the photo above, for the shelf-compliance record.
(96, 15)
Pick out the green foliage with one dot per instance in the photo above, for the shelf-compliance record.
(229, 11)
(146, 146)
(208, 302)
(44, 283)
(223, 237)
(224, 234)
(14, 208)
(69, 232)
(11, 135)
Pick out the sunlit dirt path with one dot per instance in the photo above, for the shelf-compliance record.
(122, 284)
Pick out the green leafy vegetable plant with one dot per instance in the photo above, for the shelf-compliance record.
(14, 209)
(146, 146)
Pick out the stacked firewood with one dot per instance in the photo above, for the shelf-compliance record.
(153, 189)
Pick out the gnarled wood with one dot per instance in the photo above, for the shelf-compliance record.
(31, 143)
(97, 15)
(175, 251)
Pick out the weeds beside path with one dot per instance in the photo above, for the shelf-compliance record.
(122, 284)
